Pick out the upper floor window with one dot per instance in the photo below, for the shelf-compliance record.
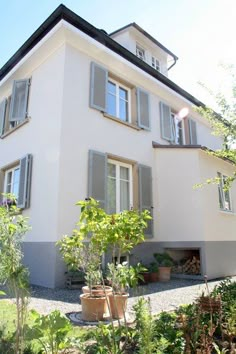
(224, 194)
(140, 52)
(156, 64)
(118, 100)
(131, 105)
(178, 129)
(14, 109)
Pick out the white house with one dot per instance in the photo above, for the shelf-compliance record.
(84, 113)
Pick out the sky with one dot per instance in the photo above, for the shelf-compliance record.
(200, 32)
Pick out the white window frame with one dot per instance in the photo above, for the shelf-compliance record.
(174, 128)
(13, 169)
(119, 85)
(222, 193)
(155, 65)
(139, 50)
(119, 164)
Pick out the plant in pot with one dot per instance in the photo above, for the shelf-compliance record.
(79, 255)
(145, 273)
(122, 277)
(164, 262)
(154, 272)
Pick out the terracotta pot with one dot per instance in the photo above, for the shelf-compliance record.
(97, 290)
(118, 304)
(154, 277)
(93, 308)
(146, 278)
(164, 273)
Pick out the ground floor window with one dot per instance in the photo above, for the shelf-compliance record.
(119, 186)
(224, 194)
(12, 178)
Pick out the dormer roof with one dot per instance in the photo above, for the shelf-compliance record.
(147, 35)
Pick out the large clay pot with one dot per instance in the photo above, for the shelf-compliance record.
(164, 273)
(118, 305)
(154, 277)
(97, 290)
(93, 308)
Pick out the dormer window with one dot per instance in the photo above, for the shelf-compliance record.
(140, 52)
(156, 64)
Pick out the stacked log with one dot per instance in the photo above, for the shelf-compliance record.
(190, 266)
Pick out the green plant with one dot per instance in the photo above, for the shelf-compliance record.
(163, 259)
(13, 227)
(122, 276)
(51, 332)
(153, 267)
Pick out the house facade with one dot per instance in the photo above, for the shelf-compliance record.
(84, 113)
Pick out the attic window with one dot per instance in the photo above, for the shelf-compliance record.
(156, 64)
(140, 52)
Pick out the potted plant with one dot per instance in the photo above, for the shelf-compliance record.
(145, 273)
(164, 262)
(154, 274)
(98, 233)
(122, 277)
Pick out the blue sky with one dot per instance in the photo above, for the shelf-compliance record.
(200, 32)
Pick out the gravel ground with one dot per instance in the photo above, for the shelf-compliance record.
(163, 296)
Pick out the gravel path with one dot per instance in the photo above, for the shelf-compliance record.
(163, 296)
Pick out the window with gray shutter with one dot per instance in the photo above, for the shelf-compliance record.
(23, 200)
(97, 177)
(193, 132)
(19, 100)
(166, 122)
(143, 109)
(3, 106)
(145, 194)
(98, 87)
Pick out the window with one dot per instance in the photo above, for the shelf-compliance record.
(17, 181)
(140, 52)
(119, 187)
(178, 129)
(12, 178)
(111, 97)
(14, 109)
(118, 101)
(224, 195)
(156, 64)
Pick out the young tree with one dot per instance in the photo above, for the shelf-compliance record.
(224, 122)
(13, 273)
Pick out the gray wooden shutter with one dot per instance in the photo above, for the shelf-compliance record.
(143, 109)
(193, 132)
(2, 175)
(98, 87)
(97, 177)
(3, 106)
(23, 200)
(166, 122)
(19, 100)
(186, 131)
(145, 195)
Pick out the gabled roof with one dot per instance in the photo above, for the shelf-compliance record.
(63, 13)
(146, 34)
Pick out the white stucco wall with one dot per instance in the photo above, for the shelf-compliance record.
(219, 225)
(40, 137)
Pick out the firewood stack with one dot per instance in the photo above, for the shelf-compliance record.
(190, 266)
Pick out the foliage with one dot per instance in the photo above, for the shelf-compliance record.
(51, 333)
(122, 276)
(153, 267)
(224, 122)
(13, 227)
(163, 259)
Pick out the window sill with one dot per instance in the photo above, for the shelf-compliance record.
(130, 125)
(25, 121)
(227, 212)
